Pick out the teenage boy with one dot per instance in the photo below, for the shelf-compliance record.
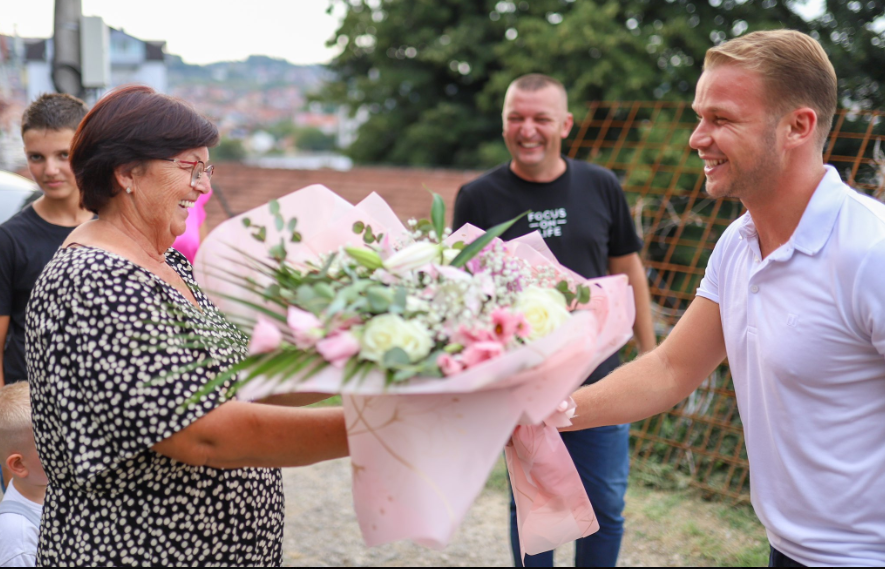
(22, 504)
(30, 238)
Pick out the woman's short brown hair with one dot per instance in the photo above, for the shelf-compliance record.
(796, 70)
(129, 126)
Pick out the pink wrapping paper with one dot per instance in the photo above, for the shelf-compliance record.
(421, 452)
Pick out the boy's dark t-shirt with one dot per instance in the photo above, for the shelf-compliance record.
(27, 243)
(583, 217)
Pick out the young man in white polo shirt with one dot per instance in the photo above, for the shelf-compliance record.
(794, 295)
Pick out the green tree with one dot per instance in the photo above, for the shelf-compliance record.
(433, 72)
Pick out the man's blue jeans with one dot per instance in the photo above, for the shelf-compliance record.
(602, 457)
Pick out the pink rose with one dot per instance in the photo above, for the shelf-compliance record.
(266, 337)
(306, 327)
(481, 351)
(449, 365)
(338, 348)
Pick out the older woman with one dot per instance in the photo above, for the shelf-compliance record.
(137, 475)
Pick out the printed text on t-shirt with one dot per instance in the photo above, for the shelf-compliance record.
(548, 222)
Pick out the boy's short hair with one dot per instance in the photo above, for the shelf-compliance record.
(15, 419)
(54, 111)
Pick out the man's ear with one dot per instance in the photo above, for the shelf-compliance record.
(801, 127)
(567, 125)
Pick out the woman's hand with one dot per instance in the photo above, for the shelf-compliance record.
(240, 435)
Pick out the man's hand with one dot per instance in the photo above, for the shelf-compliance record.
(660, 379)
(643, 327)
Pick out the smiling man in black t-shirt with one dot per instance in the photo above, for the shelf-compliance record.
(581, 212)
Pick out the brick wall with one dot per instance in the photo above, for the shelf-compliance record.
(245, 187)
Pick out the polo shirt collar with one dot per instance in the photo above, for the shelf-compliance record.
(819, 218)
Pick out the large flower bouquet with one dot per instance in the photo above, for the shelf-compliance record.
(442, 343)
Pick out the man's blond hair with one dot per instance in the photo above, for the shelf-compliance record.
(15, 419)
(795, 68)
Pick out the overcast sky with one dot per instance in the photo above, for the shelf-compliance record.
(200, 32)
(208, 31)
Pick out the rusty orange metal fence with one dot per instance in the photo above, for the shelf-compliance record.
(646, 144)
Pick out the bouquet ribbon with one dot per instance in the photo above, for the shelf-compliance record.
(421, 451)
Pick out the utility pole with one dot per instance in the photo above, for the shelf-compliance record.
(66, 66)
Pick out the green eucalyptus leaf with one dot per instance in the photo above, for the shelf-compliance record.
(400, 297)
(293, 223)
(480, 242)
(296, 237)
(359, 227)
(324, 290)
(274, 207)
(396, 358)
(247, 222)
(583, 294)
(260, 234)
(279, 222)
(278, 251)
(380, 298)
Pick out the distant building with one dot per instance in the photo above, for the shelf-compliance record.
(132, 61)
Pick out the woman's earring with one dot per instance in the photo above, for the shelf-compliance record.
(129, 190)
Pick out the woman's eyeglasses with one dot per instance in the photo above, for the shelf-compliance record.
(199, 168)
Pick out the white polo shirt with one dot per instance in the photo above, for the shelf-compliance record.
(805, 335)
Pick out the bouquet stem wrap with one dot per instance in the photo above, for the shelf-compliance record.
(421, 451)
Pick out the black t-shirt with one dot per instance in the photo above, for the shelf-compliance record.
(583, 217)
(27, 243)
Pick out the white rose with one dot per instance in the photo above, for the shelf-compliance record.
(544, 308)
(389, 331)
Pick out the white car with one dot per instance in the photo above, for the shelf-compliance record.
(15, 193)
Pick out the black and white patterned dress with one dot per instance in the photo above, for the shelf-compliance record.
(94, 342)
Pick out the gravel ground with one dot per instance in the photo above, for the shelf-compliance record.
(662, 529)
(322, 531)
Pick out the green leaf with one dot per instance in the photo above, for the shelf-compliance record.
(583, 294)
(396, 358)
(400, 298)
(379, 298)
(278, 252)
(459, 246)
(480, 242)
(359, 227)
(324, 290)
(296, 237)
(279, 222)
(368, 236)
(424, 226)
(438, 215)
(562, 286)
(293, 223)
(351, 368)
(247, 222)
(261, 234)
(274, 207)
